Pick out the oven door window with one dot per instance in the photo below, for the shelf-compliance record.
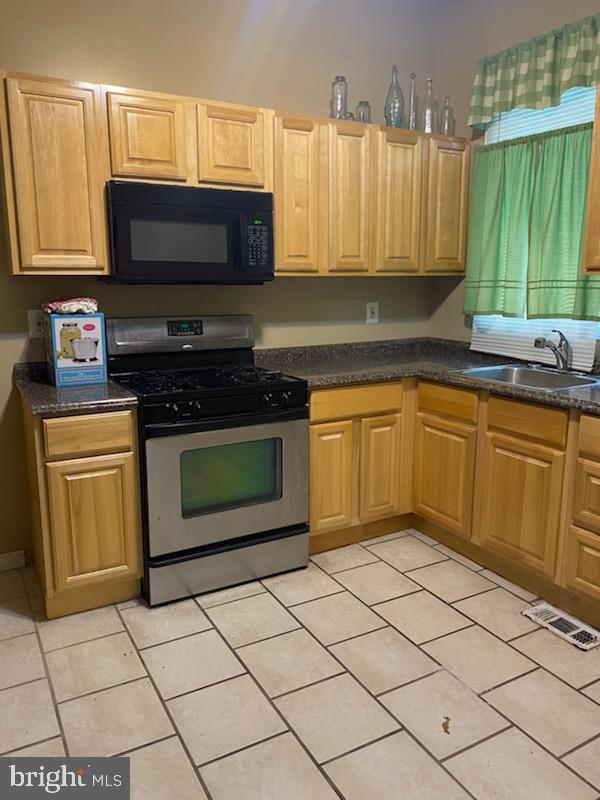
(230, 476)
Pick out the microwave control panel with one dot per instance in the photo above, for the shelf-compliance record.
(259, 243)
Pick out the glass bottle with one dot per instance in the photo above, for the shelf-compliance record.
(412, 104)
(68, 332)
(394, 102)
(339, 98)
(363, 111)
(430, 110)
(447, 121)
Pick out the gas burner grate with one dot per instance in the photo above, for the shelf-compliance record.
(567, 627)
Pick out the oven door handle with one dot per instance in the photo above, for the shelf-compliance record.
(220, 423)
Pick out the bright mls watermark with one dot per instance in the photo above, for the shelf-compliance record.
(64, 777)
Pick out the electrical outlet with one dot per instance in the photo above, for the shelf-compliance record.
(35, 323)
(372, 312)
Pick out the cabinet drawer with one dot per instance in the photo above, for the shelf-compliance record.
(356, 401)
(528, 420)
(448, 401)
(582, 569)
(88, 434)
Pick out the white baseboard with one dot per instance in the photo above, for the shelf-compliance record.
(14, 560)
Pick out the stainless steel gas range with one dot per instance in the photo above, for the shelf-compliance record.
(224, 455)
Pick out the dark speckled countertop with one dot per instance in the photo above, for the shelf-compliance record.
(323, 366)
(438, 360)
(44, 399)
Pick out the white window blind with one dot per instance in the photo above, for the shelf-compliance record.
(511, 337)
(507, 336)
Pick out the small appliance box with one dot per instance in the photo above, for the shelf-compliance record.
(76, 348)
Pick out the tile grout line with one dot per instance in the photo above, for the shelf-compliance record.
(225, 602)
(593, 738)
(487, 738)
(166, 711)
(102, 689)
(170, 641)
(84, 641)
(204, 686)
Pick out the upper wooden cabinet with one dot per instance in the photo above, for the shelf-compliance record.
(233, 144)
(57, 142)
(147, 136)
(398, 200)
(297, 195)
(447, 200)
(349, 197)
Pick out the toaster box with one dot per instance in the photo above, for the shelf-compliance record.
(76, 348)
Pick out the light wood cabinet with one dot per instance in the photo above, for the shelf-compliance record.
(349, 197)
(444, 471)
(233, 144)
(521, 500)
(398, 179)
(299, 227)
(57, 146)
(582, 564)
(148, 135)
(447, 200)
(94, 520)
(379, 477)
(331, 475)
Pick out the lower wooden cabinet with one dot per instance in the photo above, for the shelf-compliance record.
(444, 471)
(582, 565)
(522, 490)
(379, 476)
(94, 519)
(331, 475)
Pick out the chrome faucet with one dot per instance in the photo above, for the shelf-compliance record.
(562, 351)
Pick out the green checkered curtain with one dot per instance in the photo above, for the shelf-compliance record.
(535, 73)
(556, 285)
(498, 247)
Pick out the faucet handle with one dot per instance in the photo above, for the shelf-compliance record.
(539, 342)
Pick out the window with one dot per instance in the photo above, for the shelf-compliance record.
(514, 337)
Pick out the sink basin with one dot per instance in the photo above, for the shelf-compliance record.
(532, 377)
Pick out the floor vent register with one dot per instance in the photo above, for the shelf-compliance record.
(569, 628)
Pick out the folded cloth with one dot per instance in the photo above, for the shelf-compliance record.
(71, 305)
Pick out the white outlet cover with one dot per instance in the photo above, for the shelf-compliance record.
(372, 313)
(35, 323)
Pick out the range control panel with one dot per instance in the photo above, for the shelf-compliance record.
(259, 242)
(188, 327)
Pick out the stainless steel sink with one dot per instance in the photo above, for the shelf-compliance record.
(532, 377)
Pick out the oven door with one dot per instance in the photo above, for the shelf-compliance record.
(207, 486)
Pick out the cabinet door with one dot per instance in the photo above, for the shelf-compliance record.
(297, 217)
(379, 476)
(94, 519)
(58, 164)
(582, 567)
(447, 201)
(349, 197)
(586, 501)
(591, 254)
(521, 498)
(331, 475)
(397, 219)
(444, 471)
(147, 136)
(231, 145)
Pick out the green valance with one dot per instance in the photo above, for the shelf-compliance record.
(535, 73)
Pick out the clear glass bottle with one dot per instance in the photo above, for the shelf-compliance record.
(339, 98)
(394, 102)
(363, 111)
(412, 104)
(430, 110)
(447, 121)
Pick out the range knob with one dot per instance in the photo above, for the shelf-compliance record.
(173, 410)
(285, 399)
(270, 400)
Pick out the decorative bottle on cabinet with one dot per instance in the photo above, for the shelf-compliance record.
(412, 103)
(339, 97)
(447, 121)
(430, 110)
(394, 102)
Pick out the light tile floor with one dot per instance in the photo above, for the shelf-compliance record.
(391, 668)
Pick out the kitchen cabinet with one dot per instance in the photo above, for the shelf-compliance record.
(331, 475)
(445, 444)
(148, 134)
(398, 194)
(522, 482)
(234, 145)
(299, 227)
(379, 477)
(85, 501)
(349, 211)
(447, 205)
(54, 167)
(582, 563)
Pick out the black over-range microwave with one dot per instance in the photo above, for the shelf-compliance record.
(180, 234)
